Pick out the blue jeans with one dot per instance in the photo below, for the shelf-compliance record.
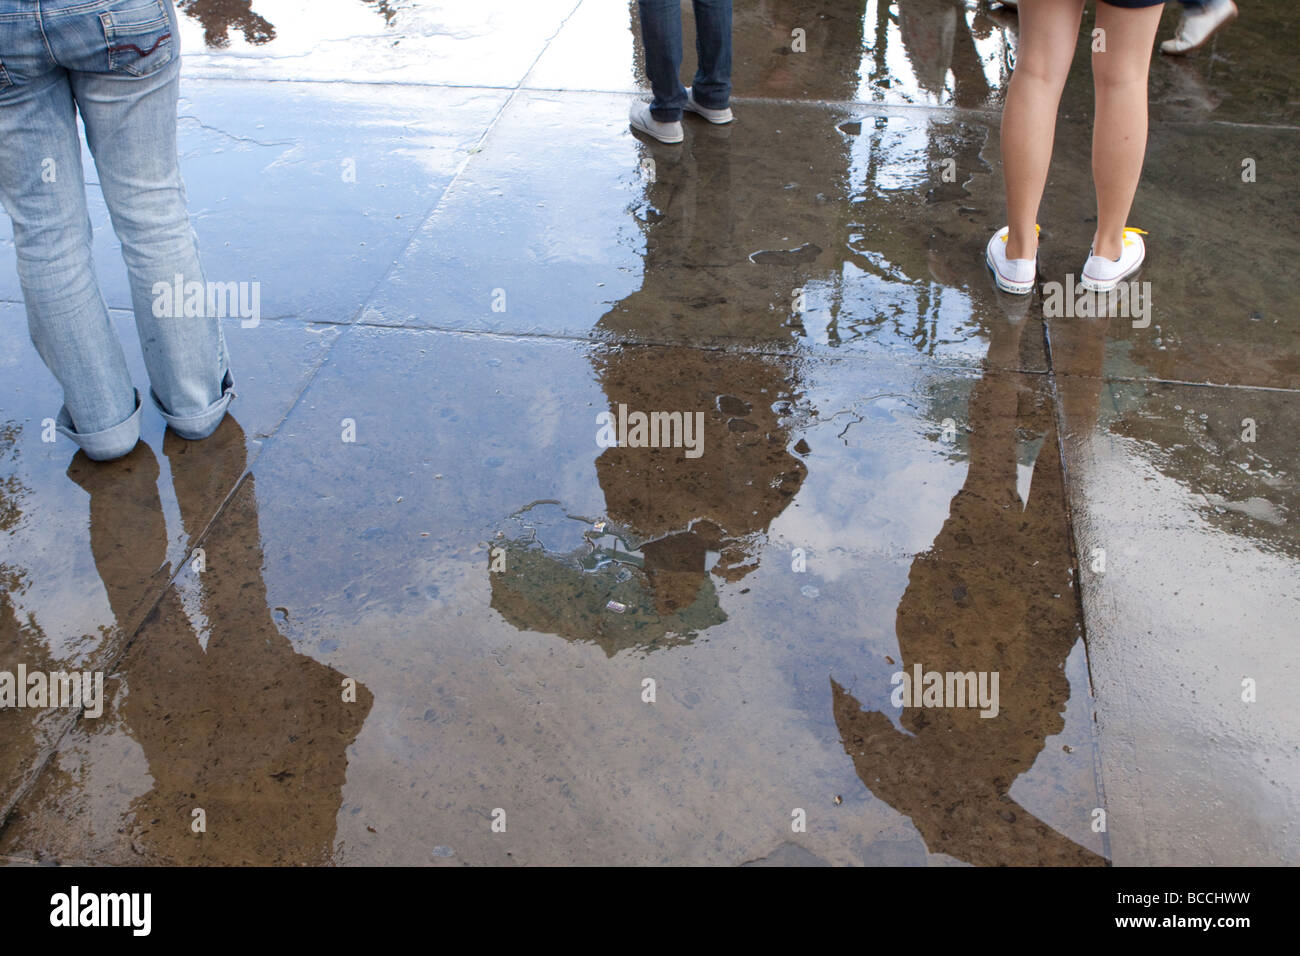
(117, 62)
(661, 32)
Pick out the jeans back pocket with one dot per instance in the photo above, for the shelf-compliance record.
(139, 37)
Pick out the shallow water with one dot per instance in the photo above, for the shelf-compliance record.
(428, 591)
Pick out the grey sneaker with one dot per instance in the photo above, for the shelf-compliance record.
(713, 116)
(641, 119)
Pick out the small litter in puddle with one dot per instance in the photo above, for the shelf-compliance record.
(616, 607)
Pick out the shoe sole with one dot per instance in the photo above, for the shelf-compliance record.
(1208, 37)
(699, 111)
(653, 135)
(1006, 285)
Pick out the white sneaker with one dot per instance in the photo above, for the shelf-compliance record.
(713, 116)
(1198, 26)
(641, 119)
(1013, 4)
(1016, 276)
(1101, 274)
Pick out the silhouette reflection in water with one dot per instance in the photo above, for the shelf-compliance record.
(219, 17)
(232, 720)
(681, 521)
(993, 595)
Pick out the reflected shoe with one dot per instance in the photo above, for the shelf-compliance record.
(641, 119)
(1016, 276)
(1101, 274)
(717, 117)
(1199, 25)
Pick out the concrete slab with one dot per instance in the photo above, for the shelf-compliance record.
(1188, 545)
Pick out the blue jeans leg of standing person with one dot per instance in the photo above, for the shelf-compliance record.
(117, 63)
(661, 34)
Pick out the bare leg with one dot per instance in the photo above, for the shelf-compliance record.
(1049, 32)
(1119, 131)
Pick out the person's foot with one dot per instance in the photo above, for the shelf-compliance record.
(641, 119)
(1101, 274)
(1016, 276)
(1197, 26)
(713, 116)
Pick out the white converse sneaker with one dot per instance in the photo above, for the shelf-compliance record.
(1198, 26)
(1101, 274)
(641, 119)
(713, 116)
(1016, 276)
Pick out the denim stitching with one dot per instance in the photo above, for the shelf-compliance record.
(122, 48)
(112, 32)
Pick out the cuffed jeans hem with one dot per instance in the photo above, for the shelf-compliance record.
(195, 427)
(715, 99)
(110, 443)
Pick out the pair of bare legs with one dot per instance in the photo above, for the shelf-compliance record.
(1049, 31)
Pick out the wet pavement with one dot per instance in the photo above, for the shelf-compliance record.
(404, 592)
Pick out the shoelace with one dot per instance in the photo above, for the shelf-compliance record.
(1128, 229)
(1038, 231)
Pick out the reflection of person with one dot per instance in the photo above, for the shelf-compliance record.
(1202, 19)
(709, 95)
(1121, 58)
(690, 519)
(746, 475)
(937, 39)
(992, 595)
(720, 501)
(832, 32)
(244, 727)
(218, 16)
(117, 64)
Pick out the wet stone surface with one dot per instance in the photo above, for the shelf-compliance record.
(429, 586)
